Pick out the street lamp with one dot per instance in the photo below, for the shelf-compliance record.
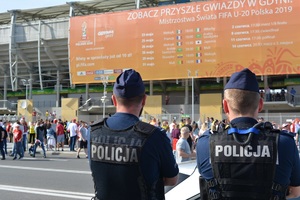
(26, 83)
(104, 97)
(193, 108)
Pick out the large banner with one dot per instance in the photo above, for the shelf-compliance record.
(200, 39)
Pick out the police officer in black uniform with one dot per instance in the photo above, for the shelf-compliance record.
(130, 159)
(247, 160)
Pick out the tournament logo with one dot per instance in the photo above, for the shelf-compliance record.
(84, 31)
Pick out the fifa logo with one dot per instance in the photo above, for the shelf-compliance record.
(84, 30)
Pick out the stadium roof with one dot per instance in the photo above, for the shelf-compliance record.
(54, 52)
(79, 8)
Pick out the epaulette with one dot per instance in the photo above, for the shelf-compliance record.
(144, 127)
(267, 127)
(287, 133)
(96, 124)
(221, 131)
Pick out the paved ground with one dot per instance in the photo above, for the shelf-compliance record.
(59, 176)
(66, 151)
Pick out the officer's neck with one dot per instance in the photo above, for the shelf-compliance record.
(234, 116)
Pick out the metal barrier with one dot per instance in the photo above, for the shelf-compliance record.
(276, 118)
(293, 99)
(10, 110)
(9, 106)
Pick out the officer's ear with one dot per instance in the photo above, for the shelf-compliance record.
(113, 98)
(144, 100)
(225, 106)
(260, 104)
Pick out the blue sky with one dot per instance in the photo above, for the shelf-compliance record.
(28, 4)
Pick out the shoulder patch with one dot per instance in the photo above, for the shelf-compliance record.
(144, 127)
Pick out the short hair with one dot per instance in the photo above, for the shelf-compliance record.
(184, 130)
(130, 101)
(242, 101)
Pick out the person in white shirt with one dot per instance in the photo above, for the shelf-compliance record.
(183, 150)
(73, 129)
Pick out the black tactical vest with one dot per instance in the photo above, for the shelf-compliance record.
(243, 162)
(115, 163)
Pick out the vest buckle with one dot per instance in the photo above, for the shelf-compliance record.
(212, 183)
(279, 188)
(214, 194)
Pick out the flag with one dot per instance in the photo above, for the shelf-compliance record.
(198, 61)
(179, 31)
(198, 35)
(178, 37)
(198, 42)
(198, 54)
(179, 50)
(179, 55)
(197, 30)
(179, 43)
(180, 62)
(198, 48)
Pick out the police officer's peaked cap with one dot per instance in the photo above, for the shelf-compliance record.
(243, 80)
(129, 84)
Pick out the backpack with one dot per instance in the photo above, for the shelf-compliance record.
(5, 132)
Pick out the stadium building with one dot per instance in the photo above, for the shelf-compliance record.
(39, 61)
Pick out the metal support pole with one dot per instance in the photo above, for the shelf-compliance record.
(87, 91)
(193, 92)
(12, 52)
(30, 80)
(193, 110)
(151, 88)
(26, 86)
(26, 110)
(57, 88)
(137, 2)
(39, 56)
(186, 96)
(26, 83)
(5, 86)
(104, 98)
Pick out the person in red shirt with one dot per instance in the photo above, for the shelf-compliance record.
(60, 135)
(18, 141)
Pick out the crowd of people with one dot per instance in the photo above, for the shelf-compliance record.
(176, 131)
(186, 130)
(48, 134)
(277, 95)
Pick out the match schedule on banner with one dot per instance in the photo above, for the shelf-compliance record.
(181, 46)
(213, 38)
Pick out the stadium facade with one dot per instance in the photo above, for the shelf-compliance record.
(34, 60)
